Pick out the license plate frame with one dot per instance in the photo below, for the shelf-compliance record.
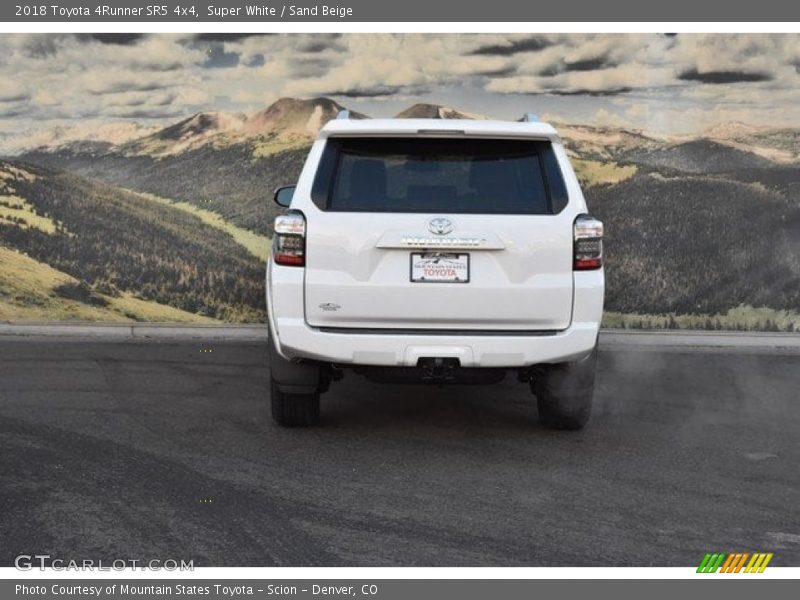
(458, 264)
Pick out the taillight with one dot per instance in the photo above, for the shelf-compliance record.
(587, 244)
(289, 241)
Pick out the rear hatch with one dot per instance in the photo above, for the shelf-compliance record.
(439, 233)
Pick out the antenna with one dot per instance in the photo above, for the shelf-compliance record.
(530, 118)
(343, 114)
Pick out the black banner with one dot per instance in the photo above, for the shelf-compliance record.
(473, 11)
(383, 589)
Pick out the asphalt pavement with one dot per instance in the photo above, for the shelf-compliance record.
(157, 449)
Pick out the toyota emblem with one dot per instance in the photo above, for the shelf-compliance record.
(440, 226)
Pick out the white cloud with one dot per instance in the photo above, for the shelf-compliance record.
(641, 78)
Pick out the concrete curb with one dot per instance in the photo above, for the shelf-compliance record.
(135, 331)
(616, 338)
(720, 340)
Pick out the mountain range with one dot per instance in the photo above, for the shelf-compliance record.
(289, 122)
(679, 211)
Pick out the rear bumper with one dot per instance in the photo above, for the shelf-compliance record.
(295, 339)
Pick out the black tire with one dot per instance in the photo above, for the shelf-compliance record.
(294, 410)
(564, 393)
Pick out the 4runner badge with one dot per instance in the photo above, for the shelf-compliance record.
(329, 307)
(440, 226)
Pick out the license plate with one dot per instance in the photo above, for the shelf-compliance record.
(439, 267)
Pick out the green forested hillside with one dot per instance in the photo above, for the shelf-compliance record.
(696, 156)
(120, 243)
(230, 181)
(34, 291)
(698, 244)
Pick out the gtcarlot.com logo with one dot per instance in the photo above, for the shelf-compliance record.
(27, 562)
(736, 562)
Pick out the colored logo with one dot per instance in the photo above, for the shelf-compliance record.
(737, 562)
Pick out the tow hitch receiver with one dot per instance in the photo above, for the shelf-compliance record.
(438, 369)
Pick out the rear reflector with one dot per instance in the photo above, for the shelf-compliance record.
(289, 241)
(587, 244)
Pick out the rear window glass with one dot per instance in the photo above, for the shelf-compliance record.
(466, 175)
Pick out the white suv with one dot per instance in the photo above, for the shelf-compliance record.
(438, 251)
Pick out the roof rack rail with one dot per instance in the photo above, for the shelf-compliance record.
(343, 114)
(530, 118)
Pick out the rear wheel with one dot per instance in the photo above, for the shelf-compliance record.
(564, 393)
(294, 410)
(295, 387)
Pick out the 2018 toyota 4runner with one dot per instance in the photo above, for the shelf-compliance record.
(438, 251)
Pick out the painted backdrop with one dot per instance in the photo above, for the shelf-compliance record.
(137, 170)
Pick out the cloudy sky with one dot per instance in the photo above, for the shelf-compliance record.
(660, 83)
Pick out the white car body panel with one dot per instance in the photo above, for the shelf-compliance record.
(354, 303)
